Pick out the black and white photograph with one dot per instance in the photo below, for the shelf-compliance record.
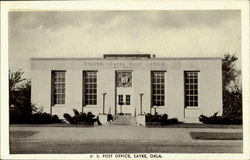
(124, 83)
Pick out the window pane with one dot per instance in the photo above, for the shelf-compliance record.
(158, 88)
(90, 87)
(58, 78)
(191, 88)
(127, 99)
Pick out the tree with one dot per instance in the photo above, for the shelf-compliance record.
(229, 72)
(232, 94)
(19, 97)
(21, 110)
(14, 79)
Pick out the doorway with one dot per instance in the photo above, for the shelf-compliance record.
(124, 92)
(124, 103)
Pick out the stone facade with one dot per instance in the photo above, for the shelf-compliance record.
(139, 69)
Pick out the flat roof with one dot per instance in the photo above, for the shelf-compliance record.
(104, 59)
(139, 56)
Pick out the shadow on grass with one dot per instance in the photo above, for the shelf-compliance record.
(199, 125)
(216, 136)
(22, 134)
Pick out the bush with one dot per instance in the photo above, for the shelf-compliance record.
(225, 119)
(110, 117)
(157, 119)
(173, 121)
(44, 118)
(232, 106)
(80, 118)
(164, 119)
(16, 117)
(68, 118)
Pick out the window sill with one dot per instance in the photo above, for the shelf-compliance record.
(90, 106)
(161, 107)
(59, 105)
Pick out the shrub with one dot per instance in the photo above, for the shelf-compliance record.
(44, 118)
(225, 119)
(152, 118)
(80, 118)
(68, 117)
(76, 112)
(164, 119)
(16, 117)
(157, 119)
(173, 121)
(110, 117)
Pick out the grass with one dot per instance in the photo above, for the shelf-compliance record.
(180, 125)
(51, 125)
(216, 136)
(76, 147)
(197, 125)
(22, 134)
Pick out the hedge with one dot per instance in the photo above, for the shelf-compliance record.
(224, 119)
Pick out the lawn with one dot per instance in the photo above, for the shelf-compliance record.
(198, 125)
(76, 147)
(22, 134)
(73, 140)
(216, 136)
(180, 125)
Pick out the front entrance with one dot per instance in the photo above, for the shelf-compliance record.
(124, 92)
(124, 102)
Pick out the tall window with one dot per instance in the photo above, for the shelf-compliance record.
(158, 88)
(90, 87)
(58, 84)
(191, 89)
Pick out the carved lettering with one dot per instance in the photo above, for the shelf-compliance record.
(124, 64)
(93, 64)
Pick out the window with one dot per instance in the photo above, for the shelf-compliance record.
(90, 87)
(158, 88)
(120, 99)
(191, 89)
(127, 99)
(58, 87)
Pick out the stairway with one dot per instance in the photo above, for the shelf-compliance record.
(123, 120)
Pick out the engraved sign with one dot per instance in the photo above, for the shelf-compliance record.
(122, 64)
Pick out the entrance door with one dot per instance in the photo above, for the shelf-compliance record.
(124, 92)
(124, 103)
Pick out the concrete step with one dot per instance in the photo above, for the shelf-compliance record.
(123, 120)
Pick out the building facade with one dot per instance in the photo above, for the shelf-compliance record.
(184, 88)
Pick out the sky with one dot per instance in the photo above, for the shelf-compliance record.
(80, 34)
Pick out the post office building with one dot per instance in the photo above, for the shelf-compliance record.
(132, 84)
